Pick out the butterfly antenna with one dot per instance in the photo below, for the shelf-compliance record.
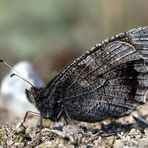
(14, 74)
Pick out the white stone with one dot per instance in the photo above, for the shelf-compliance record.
(13, 89)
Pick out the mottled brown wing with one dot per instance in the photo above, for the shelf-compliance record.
(109, 80)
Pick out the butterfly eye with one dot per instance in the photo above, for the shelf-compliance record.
(34, 93)
(31, 94)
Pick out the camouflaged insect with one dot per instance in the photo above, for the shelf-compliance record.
(109, 80)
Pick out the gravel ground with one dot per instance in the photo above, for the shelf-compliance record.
(123, 132)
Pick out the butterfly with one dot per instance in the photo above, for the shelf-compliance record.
(108, 81)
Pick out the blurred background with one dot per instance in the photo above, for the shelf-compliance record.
(40, 31)
(51, 33)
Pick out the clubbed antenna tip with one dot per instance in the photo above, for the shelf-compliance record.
(1, 60)
(12, 75)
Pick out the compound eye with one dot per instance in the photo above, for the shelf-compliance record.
(33, 93)
(30, 95)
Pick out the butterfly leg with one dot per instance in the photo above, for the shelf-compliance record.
(66, 116)
(25, 117)
(22, 128)
(141, 122)
(68, 120)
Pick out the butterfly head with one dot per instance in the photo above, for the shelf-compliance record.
(37, 97)
(34, 94)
